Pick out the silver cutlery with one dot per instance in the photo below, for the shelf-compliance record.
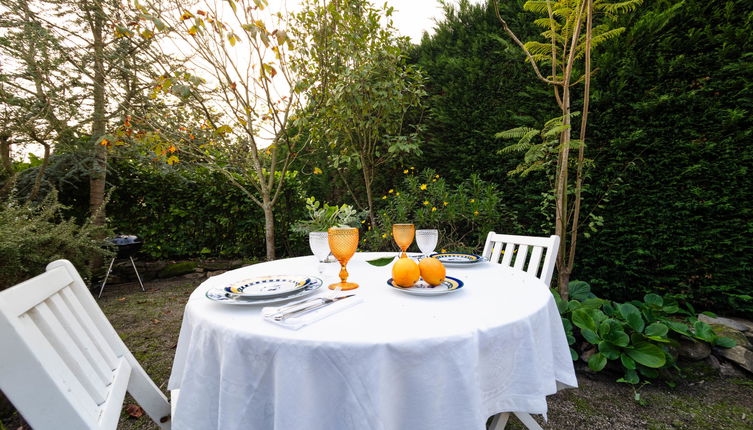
(306, 307)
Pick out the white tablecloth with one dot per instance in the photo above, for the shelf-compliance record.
(395, 361)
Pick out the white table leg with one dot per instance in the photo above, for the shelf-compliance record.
(528, 421)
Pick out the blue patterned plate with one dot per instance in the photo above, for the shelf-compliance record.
(262, 287)
(421, 288)
(457, 259)
(219, 294)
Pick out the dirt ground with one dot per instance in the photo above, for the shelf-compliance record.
(149, 324)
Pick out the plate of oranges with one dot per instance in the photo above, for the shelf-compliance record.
(428, 277)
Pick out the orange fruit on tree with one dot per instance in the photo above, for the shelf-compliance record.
(405, 272)
(432, 270)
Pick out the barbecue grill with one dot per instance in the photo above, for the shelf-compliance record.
(127, 245)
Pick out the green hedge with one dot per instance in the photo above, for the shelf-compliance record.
(184, 211)
(670, 133)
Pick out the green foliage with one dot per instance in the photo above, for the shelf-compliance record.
(674, 125)
(33, 235)
(638, 335)
(463, 213)
(188, 211)
(321, 219)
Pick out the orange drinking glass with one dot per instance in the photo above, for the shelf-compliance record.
(403, 234)
(343, 243)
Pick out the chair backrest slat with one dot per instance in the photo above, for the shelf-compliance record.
(516, 253)
(61, 363)
(66, 348)
(534, 263)
(89, 343)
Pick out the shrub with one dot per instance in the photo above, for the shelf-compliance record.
(33, 235)
(464, 214)
(638, 334)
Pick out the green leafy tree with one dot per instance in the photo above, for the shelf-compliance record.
(570, 35)
(360, 89)
(240, 92)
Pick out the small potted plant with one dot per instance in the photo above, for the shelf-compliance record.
(321, 218)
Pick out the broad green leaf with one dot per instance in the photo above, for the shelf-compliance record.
(632, 315)
(609, 350)
(679, 327)
(618, 337)
(647, 354)
(656, 329)
(590, 336)
(724, 342)
(573, 354)
(648, 373)
(704, 331)
(584, 319)
(653, 300)
(579, 290)
(627, 362)
(631, 377)
(597, 362)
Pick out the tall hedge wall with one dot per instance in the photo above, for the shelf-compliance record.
(670, 133)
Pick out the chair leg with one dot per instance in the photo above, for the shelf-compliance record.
(528, 421)
(106, 276)
(499, 421)
(137, 274)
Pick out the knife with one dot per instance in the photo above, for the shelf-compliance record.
(314, 305)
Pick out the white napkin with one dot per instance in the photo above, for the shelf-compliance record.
(294, 323)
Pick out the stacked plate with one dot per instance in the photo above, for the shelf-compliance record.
(261, 290)
(458, 259)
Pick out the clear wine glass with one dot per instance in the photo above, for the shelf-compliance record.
(427, 241)
(319, 244)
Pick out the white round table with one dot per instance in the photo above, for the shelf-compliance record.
(395, 361)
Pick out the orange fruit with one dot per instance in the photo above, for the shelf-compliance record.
(405, 272)
(432, 270)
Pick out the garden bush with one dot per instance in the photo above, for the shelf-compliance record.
(638, 335)
(463, 213)
(190, 211)
(35, 234)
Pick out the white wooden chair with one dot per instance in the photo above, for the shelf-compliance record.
(516, 253)
(513, 251)
(62, 364)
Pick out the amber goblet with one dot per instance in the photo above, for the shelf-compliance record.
(403, 235)
(343, 243)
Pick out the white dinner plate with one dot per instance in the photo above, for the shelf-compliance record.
(458, 258)
(218, 294)
(422, 288)
(264, 287)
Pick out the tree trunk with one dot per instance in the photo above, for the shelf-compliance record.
(269, 228)
(6, 164)
(560, 195)
(367, 180)
(40, 173)
(98, 175)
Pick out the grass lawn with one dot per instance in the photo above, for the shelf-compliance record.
(149, 324)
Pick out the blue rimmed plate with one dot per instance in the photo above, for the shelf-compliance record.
(218, 294)
(421, 288)
(262, 287)
(458, 259)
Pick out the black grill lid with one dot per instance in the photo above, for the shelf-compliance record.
(127, 244)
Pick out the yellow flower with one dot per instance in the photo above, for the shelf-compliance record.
(397, 193)
(363, 222)
(390, 191)
(384, 236)
(423, 186)
(426, 202)
(433, 180)
(433, 209)
(369, 228)
(317, 171)
(413, 168)
(443, 251)
(384, 197)
(473, 200)
(475, 212)
(436, 176)
(445, 203)
(405, 171)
